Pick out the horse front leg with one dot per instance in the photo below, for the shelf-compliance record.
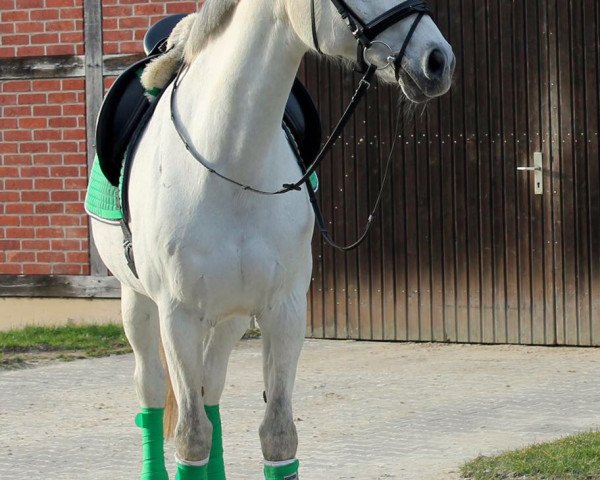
(283, 336)
(140, 320)
(183, 335)
(219, 346)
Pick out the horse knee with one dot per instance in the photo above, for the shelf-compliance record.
(278, 436)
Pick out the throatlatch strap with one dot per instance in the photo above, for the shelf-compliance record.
(191, 472)
(284, 472)
(150, 420)
(216, 465)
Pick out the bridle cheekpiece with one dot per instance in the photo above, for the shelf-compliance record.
(366, 33)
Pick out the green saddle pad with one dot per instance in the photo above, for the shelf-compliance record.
(101, 196)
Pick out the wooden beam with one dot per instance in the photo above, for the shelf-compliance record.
(115, 64)
(61, 66)
(94, 93)
(55, 286)
(57, 66)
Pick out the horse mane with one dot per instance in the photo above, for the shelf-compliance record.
(213, 17)
(187, 40)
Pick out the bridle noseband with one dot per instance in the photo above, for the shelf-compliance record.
(366, 33)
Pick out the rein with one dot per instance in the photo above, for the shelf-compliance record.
(365, 34)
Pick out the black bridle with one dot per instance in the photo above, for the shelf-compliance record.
(365, 34)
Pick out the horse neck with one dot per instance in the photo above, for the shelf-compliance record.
(233, 97)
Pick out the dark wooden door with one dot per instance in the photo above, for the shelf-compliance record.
(464, 250)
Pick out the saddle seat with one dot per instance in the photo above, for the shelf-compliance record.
(127, 103)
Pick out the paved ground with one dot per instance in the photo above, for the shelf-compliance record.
(364, 410)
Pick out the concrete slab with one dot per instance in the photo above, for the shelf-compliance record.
(364, 410)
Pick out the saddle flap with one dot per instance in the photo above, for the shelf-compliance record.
(302, 118)
(120, 113)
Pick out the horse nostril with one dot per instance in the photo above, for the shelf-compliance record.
(436, 63)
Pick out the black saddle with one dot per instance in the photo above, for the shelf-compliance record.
(126, 104)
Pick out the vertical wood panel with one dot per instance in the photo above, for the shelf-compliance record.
(463, 250)
(592, 80)
(94, 93)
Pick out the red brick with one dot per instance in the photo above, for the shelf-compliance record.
(35, 221)
(10, 245)
(76, 232)
(31, 51)
(29, 27)
(77, 257)
(18, 183)
(49, 232)
(10, 269)
(48, 158)
(49, 208)
(20, 257)
(17, 135)
(18, 208)
(65, 221)
(23, 4)
(65, 245)
(63, 122)
(35, 244)
(67, 196)
(63, 269)
(9, 196)
(8, 171)
(50, 257)
(36, 147)
(45, 14)
(14, 16)
(33, 122)
(36, 269)
(16, 86)
(34, 196)
(35, 172)
(31, 98)
(19, 232)
(10, 221)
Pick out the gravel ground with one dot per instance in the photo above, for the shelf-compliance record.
(364, 410)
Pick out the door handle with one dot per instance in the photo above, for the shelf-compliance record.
(538, 174)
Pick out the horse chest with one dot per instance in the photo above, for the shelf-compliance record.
(237, 277)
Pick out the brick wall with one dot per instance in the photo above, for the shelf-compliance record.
(43, 165)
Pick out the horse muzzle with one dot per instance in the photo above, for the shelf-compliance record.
(427, 76)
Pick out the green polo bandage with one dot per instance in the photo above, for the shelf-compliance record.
(216, 466)
(191, 472)
(284, 472)
(150, 420)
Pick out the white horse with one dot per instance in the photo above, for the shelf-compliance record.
(211, 255)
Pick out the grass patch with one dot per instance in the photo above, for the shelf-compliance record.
(576, 457)
(68, 342)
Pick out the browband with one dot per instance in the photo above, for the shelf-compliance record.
(366, 32)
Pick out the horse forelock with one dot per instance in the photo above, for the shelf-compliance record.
(211, 19)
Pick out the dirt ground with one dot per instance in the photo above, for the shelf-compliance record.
(363, 410)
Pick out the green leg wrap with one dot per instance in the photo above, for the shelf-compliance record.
(189, 472)
(216, 466)
(285, 472)
(150, 420)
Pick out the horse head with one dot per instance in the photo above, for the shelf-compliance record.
(399, 37)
